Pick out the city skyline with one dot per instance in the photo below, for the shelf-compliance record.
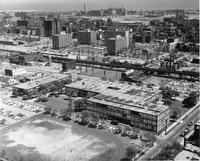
(70, 5)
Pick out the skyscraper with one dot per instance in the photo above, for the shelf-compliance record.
(51, 27)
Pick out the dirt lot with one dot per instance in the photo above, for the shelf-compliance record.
(47, 139)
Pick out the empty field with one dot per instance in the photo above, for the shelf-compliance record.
(48, 140)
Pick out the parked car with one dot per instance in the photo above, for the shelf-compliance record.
(190, 123)
(92, 125)
(114, 122)
(182, 134)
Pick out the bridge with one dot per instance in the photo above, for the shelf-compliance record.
(120, 66)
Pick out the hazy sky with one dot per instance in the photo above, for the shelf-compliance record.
(55, 5)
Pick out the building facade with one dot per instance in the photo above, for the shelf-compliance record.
(115, 45)
(15, 70)
(138, 106)
(61, 41)
(41, 85)
(87, 37)
(51, 27)
(137, 116)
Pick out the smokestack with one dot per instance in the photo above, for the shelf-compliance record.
(84, 10)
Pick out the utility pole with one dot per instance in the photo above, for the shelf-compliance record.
(165, 127)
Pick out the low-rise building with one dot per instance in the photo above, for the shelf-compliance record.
(15, 70)
(129, 104)
(43, 84)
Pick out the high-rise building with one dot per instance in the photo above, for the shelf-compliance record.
(115, 45)
(84, 9)
(113, 33)
(180, 15)
(56, 25)
(87, 37)
(61, 40)
(51, 27)
(21, 23)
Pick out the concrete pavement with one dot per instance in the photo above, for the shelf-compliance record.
(172, 136)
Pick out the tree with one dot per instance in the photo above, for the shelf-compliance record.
(148, 137)
(134, 133)
(169, 152)
(94, 118)
(177, 146)
(167, 102)
(84, 117)
(175, 115)
(191, 100)
(168, 93)
(66, 113)
(131, 151)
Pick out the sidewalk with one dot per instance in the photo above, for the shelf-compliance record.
(181, 119)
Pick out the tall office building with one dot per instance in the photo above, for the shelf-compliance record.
(51, 27)
(180, 15)
(56, 25)
(61, 40)
(113, 33)
(115, 45)
(84, 9)
(21, 23)
(87, 37)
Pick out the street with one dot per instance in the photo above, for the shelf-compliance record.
(172, 136)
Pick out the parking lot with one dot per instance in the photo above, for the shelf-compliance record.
(12, 110)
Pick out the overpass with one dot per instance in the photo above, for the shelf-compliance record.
(120, 66)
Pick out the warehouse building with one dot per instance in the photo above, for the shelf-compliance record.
(43, 84)
(14, 70)
(138, 106)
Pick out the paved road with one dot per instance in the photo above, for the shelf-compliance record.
(172, 136)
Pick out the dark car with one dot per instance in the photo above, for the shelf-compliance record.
(114, 122)
(184, 132)
(190, 123)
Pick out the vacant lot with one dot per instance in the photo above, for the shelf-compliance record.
(44, 139)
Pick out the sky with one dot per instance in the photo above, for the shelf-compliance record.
(69, 5)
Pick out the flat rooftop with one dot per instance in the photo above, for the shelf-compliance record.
(42, 81)
(13, 67)
(124, 90)
(129, 104)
